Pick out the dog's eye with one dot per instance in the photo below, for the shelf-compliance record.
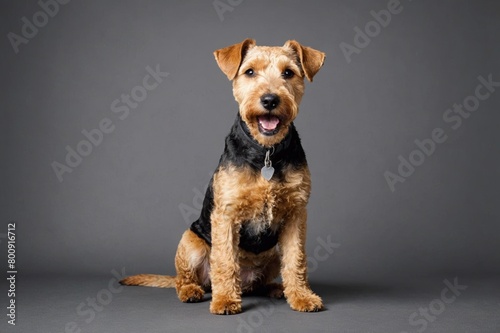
(288, 73)
(249, 72)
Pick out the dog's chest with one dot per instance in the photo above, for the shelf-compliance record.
(242, 196)
(260, 229)
(257, 202)
(264, 217)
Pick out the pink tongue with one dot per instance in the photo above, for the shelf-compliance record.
(269, 123)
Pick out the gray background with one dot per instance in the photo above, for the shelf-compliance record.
(120, 208)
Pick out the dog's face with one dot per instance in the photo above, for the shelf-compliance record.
(268, 84)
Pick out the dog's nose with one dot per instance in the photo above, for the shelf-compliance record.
(270, 101)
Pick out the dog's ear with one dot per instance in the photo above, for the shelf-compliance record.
(229, 58)
(310, 59)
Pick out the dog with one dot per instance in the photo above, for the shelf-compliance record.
(252, 225)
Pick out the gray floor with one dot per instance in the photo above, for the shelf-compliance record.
(64, 304)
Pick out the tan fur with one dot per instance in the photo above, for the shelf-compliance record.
(150, 280)
(242, 195)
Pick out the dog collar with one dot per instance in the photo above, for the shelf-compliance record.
(267, 170)
(275, 149)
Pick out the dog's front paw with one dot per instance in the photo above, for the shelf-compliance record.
(225, 306)
(306, 303)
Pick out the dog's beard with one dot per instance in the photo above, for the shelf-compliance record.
(268, 128)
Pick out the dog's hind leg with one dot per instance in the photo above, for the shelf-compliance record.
(271, 271)
(192, 265)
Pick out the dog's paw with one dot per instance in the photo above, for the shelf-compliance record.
(306, 303)
(275, 290)
(190, 293)
(225, 306)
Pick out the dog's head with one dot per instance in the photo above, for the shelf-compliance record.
(268, 84)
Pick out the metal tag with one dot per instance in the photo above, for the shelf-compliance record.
(267, 172)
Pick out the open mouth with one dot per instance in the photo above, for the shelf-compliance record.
(268, 124)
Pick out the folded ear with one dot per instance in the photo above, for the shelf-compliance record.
(310, 59)
(229, 58)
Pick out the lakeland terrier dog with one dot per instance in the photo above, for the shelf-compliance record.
(252, 225)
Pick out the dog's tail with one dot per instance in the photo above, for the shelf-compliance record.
(150, 280)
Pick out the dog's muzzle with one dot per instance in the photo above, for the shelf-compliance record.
(268, 124)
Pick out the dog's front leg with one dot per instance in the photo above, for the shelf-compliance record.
(224, 264)
(294, 264)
